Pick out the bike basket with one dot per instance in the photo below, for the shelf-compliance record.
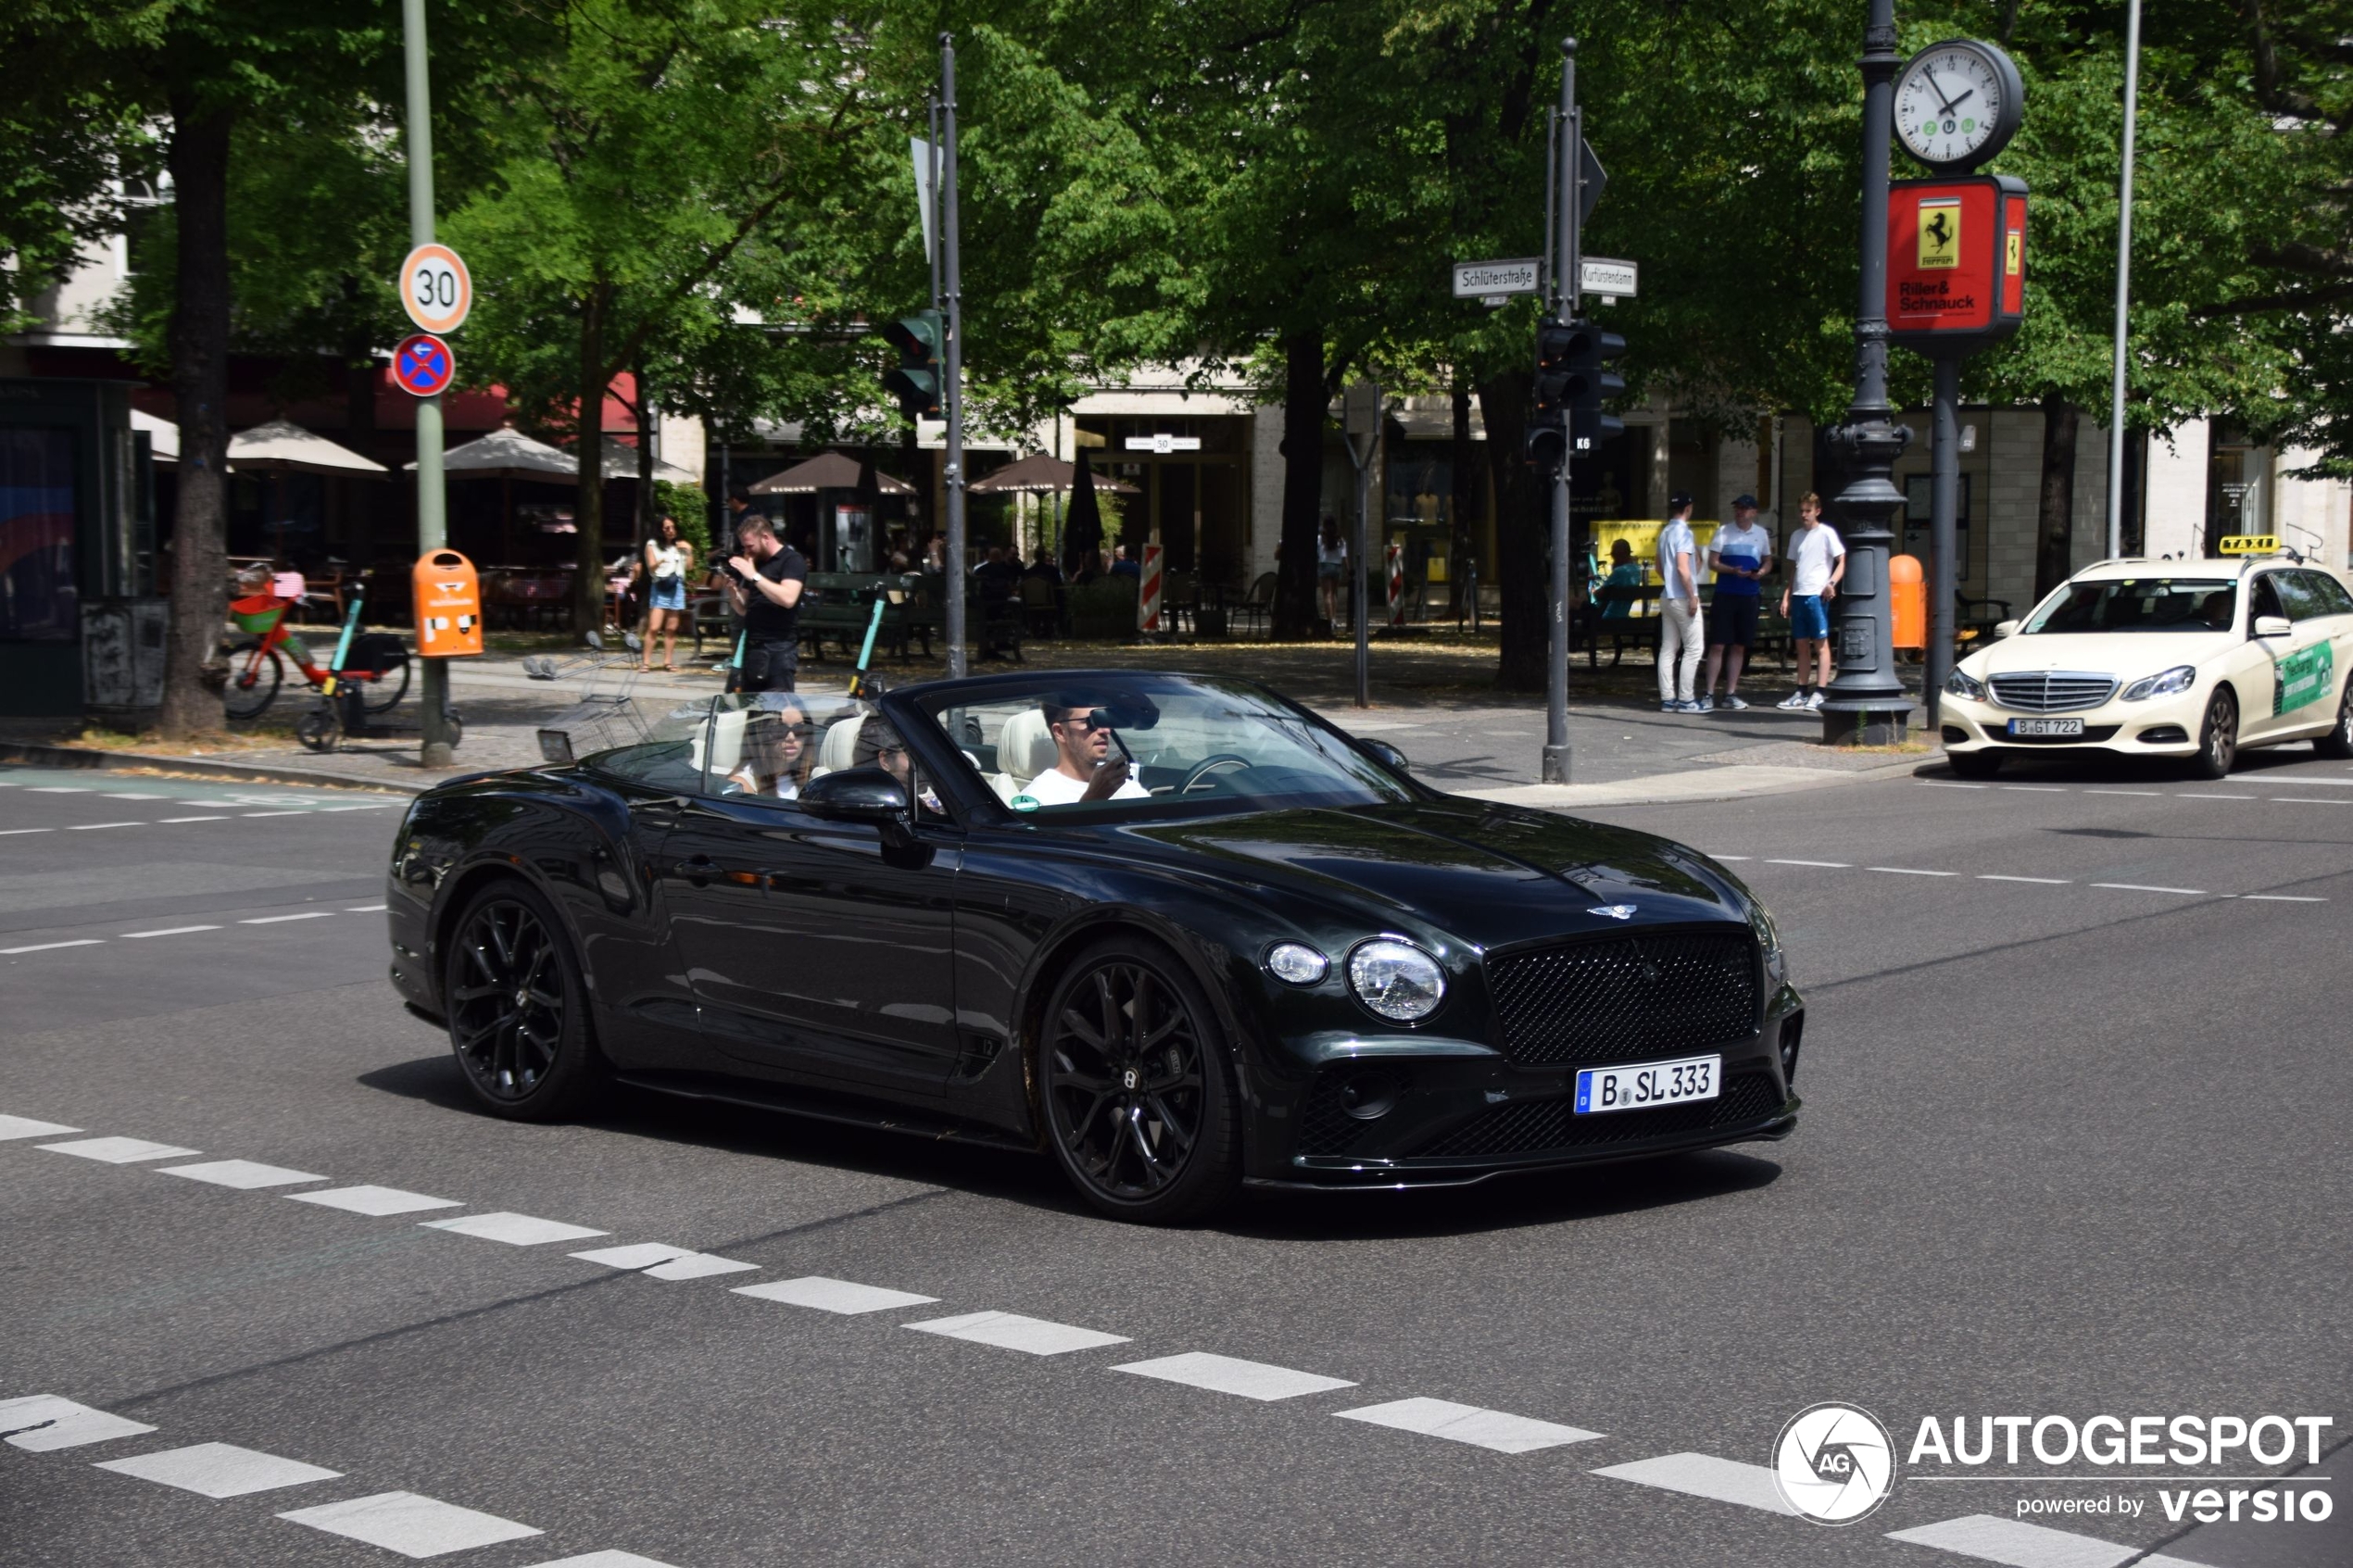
(259, 614)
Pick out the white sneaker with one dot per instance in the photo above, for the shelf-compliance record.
(1704, 704)
(1814, 700)
(1731, 701)
(1795, 700)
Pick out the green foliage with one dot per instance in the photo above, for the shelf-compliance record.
(691, 508)
(1105, 608)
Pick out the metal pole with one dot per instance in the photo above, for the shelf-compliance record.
(935, 201)
(1552, 197)
(1943, 571)
(434, 747)
(1566, 161)
(954, 295)
(1360, 602)
(1866, 705)
(2123, 283)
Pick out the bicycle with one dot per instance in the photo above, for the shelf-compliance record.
(377, 661)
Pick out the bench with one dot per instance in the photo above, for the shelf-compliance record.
(1639, 627)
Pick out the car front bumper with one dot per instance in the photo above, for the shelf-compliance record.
(2165, 726)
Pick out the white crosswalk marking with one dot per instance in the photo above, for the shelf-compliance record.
(220, 1470)
(372, 1200)
(515, 1230)
(1705, 1476)
(1468, 1424)
(1228, 1375)
(26, 1127)
(43, 1423)
(1991, 1538)
(118, 1151)
(411, 1525)
(244, 1174)
(696, 1265)
(604, 1560)
(842, 1296)
(1011, 1331)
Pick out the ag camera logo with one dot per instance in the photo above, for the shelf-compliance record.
(1833, 1463)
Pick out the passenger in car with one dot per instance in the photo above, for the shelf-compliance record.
(775, 755)
(1084, 767)
(879, 745)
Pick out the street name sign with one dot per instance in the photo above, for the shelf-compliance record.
(423, 366)
(1611, 280)
(1164, 443)
(1492, 279)
(436, 289)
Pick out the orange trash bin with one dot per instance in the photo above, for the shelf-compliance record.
(448, 601)
(1908, 597)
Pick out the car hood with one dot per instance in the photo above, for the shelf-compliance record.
(1486, 875)
(2128, 656)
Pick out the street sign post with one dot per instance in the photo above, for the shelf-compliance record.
(423, 366)
(1612, 280)
(1483, 279)
(1363, 409)
(436, 289)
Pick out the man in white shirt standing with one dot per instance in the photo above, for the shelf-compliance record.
(1817, 560)
(1740, 554)
(1680, 631)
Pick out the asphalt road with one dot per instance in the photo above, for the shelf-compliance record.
(2074, 1144)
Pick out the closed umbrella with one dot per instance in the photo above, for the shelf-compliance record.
(1083, 534)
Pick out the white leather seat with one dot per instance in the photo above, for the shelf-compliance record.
(1024, 748)
(839, 748)
(719, 746)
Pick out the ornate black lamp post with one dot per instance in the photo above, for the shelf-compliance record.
(1866, 705)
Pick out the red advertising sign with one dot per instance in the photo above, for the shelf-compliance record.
(1956, 262)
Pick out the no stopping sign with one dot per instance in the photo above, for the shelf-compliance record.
(423, 365)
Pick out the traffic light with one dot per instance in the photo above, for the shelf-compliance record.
(1548, 424)
(916, 381)
(1591, 383)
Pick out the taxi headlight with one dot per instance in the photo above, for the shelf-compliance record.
(1960, 682)
(2181, 678)
(1396, 979)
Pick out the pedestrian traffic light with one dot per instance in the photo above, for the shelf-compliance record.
(1591, 383)
(916, 381)
(1548, 422)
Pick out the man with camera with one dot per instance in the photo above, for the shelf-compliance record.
(763, 586)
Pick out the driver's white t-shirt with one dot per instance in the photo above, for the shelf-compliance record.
(1054, 787)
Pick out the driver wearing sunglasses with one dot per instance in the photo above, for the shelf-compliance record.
(1086, 767)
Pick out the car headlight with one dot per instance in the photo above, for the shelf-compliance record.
(1396, 979)
(1296, 963)
(1960, 682)
(2181, 678)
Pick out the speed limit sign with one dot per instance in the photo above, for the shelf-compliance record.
(437, 289)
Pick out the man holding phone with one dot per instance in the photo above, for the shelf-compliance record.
(763, 586)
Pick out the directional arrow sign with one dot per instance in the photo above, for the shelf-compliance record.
(1590, 177)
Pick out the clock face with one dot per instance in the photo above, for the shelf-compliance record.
(1950, 103)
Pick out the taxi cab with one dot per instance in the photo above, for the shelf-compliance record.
(2196, 659)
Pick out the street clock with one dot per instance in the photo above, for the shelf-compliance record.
(1957, 104)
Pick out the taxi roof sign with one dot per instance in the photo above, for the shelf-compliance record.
(2247, 545)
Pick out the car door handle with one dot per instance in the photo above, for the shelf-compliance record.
(698, 869)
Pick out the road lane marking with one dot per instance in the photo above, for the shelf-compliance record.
(2037, 790)
(2278, 898)
(86, 827)
(2044, 881)
(26, 1127)
(411, 1525)
(1827, 865)
(245, 1175)
(58, 789)
(2149, 793)
(366, 910)
(134, 794)
(1228, 1374)
(1907, 871)
(1991, 1538)
(1504, 1432)
(11, 833)
(220, 1470)
(1705, 1476)
(2307, 801)
(275, 920)
(2144, 887)
(51, 947)
(118, 1151)
(166, 931)
(697, 1265)
(42, 1423)
(2187, 796)
(604, 1560)
(372, 1200)
(841, 1296)
(1940, 783)
(515, 1230)
(167, 821)
(1011, 1331)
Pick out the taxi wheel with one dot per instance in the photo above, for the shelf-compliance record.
(2337, 744)
(1974, 764)
(2217, 738)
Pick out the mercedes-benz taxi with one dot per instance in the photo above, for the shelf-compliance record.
(2196, 659)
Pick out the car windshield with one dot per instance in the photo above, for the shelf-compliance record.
(766, 744)
(1120, 744)
(2141, 604)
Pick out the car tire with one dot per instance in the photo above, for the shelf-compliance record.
(1137, 1094)
(1974, 764)
(2217, 738)
(518, 1010)
(2337, 744)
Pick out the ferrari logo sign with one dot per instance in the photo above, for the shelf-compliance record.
(1940, 233)
(2013, 254)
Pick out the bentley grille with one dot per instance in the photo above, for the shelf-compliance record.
(1623, 998)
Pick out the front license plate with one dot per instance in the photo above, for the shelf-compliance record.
(1648, 1083)
(2046, 726)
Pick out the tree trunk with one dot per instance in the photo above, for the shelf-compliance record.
(2055, 524)
(1523, 521)
(589, 494)
(1304, 402)
(194, 673)
(649, 504)
(1465, 470)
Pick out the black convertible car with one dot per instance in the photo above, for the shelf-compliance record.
(1177, 931)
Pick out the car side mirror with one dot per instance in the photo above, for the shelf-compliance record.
(856, 795)
(1386, 755)
(2005, 628)
(2273, 626)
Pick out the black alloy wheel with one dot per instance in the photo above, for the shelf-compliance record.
(2217, 738)
(1137, 1100)
(518, 1012)
(2337, 744)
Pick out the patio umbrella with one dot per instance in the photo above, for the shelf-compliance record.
(1041, 473)
(509, 454)
(284, 447)
(620, 462)
(834, 471)
(1083, 533)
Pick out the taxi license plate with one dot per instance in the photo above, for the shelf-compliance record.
(2046, 726)
(1648, 1083)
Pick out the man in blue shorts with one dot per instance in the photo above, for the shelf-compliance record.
(1740, 553)
(1817, 560)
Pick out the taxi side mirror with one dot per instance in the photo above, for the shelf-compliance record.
(2005, 628)
(2273, 626)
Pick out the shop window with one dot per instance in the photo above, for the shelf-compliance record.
(38, 600)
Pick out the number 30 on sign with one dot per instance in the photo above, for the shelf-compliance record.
(436, 289)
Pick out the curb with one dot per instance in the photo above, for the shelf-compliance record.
(36, 756)
(1691, 786)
